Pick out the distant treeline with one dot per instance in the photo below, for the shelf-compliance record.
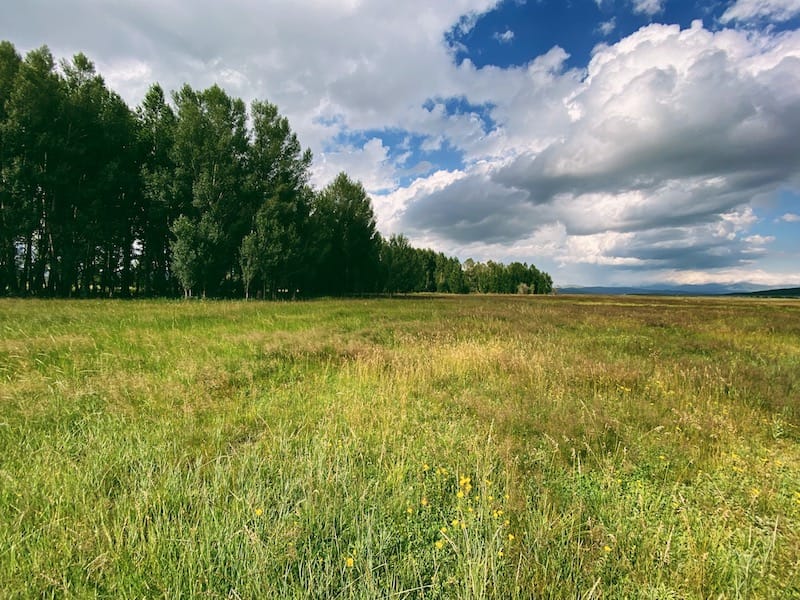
(200, 196)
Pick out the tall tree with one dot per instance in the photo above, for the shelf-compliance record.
(276, 247)
(348, 242)
(159, 207)
(11, 225)
(403, 266)
(32, 143)
(210, 154)
(96, 194)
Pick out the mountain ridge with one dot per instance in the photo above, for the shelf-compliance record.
(712, 289)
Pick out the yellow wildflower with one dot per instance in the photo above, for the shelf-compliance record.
(511, 537)
(606, 549)
(439, 544)
(259, 512)
(349, 562)
(424, 501)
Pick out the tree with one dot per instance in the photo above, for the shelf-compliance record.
(276, 247)
(347, 241)
(159, 206)
(404, 269)
(11, 217)
(210, 153)
(450, 276)
(250, 261)
(33, 110)
(192, 252)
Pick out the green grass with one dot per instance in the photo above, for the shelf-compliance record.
(478, 447)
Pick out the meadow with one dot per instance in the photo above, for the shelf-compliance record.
(449, 447)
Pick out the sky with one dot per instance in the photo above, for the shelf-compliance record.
(608, 142)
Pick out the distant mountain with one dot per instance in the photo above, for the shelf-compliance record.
(710, 289)
(781, 293)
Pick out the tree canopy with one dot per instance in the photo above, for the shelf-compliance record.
(197, 195)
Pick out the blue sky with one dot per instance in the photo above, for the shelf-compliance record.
(609, 142)
(516, 32)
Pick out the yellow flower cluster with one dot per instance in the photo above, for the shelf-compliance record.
(476, 502)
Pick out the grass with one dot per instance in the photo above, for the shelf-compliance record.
(479, 447)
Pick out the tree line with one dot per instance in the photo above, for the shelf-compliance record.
(200, 196)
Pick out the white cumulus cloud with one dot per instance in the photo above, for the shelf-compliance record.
(658, 153)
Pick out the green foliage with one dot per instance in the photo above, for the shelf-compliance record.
(497, 278)
(192, 251)
(348, 244)
(11, 216)
(160, 207)
(408, 269)
(404, 269)
(277, 249)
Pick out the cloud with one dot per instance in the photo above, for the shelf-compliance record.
(505, 37)
(606, 28)
(790, 218)
(368, 163)
(649, 148)
(770, 10)
(648, 7)
(485, 211)
(733, 276)
(658, 153)
(330, 66)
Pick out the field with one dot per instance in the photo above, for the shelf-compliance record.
(456, 447)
